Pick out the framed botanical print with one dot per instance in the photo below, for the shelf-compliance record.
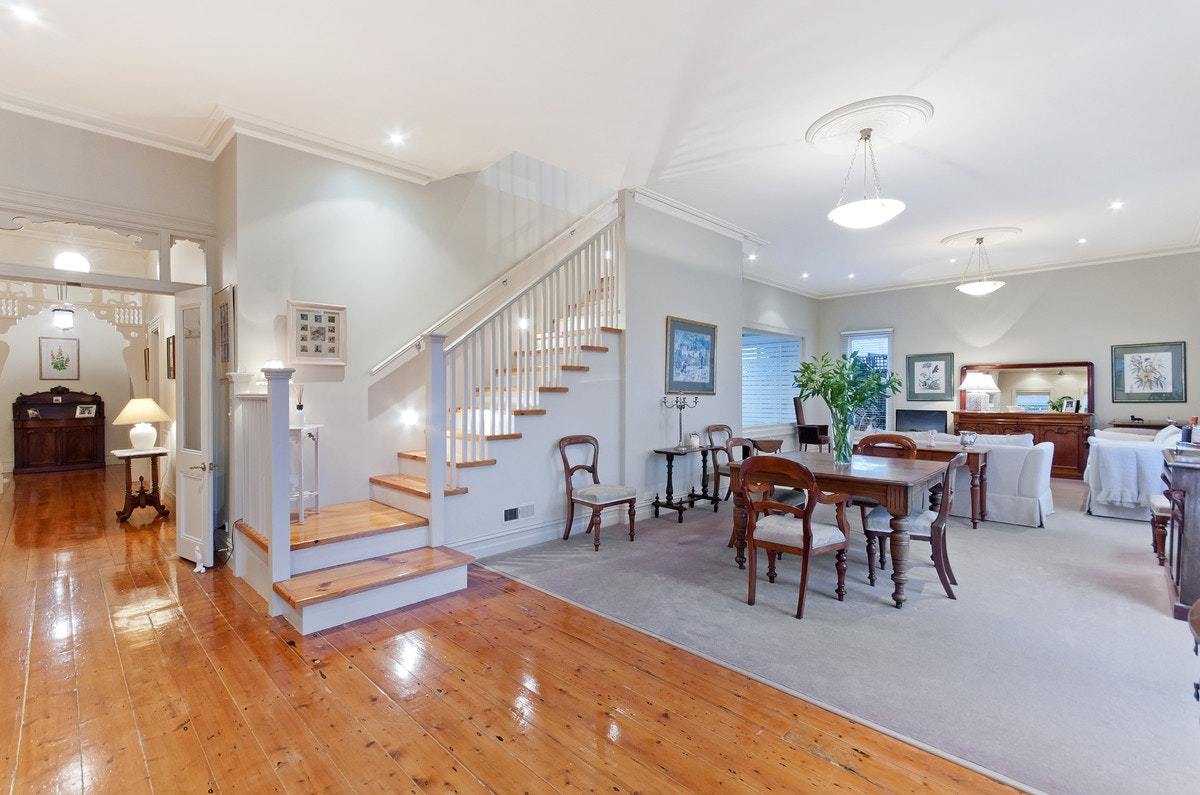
(930, 376)
(1149, 373)
(316, 333)
(58, 358)
(691, 357)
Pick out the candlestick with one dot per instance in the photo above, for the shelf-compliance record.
(680, 403)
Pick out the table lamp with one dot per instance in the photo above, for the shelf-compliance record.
(978, 385)
(140, 412)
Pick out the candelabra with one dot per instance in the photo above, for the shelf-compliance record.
(680, 403)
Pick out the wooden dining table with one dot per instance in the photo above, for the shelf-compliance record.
(900, 485)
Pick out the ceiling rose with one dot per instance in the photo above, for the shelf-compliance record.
(891, 120)
(991, 235)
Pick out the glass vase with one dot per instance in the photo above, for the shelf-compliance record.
(840, 430)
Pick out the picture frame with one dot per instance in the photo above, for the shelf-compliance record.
(146, 362)
(224, 326)
(1152, 372)
(33, 414)
(171, 356)
(85, 410)
(691, 367)
(316, 333)
(58, 358)
(930, 376)
(1069, 406)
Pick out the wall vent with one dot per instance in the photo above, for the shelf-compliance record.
(520, 512)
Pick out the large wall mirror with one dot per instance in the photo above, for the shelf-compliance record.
(1034, 386)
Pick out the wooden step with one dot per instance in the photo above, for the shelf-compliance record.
(324, 585)
(528, 412)
(578, 368)
(411, 485)
(419, 455)
(489, 390)
(491, 437)
(342, 522)
(544, 351)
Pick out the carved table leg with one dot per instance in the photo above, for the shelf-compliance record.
(899, 542)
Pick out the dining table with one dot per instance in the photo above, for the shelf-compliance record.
(900, 485)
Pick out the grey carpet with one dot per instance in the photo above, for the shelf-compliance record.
(1058, 667)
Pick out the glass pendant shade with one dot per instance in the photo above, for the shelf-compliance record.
(866, 213)
(981, 287)
(63, 317)
(984, 284)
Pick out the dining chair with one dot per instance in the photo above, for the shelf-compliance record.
(807, 433)
(922, 526)
(593, 495)
(887, 445)
(781, 528)
(716, 437)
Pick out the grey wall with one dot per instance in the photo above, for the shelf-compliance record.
(1074, 314)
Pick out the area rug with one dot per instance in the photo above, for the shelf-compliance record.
(1058, 667)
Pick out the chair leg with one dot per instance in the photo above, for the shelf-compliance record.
(941, 563)
(770, 565)
(840, 556)
(631, 513)
(753, 567)
(871, 559)
(570, 519)
(1159, 524)
(803, 584)
(595, 523)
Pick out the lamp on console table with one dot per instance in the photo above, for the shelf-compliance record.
(978, 385)
(140, 412)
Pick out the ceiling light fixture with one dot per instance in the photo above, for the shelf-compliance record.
(866, 212)
(984, 283)
(72, 261)
(63, 317)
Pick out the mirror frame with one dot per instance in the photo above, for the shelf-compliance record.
(1091, 373)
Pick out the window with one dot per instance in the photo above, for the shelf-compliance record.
(875, 349)
(1034, 399)
(767, 386)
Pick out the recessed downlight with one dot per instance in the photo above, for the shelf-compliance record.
(25, 14)
(1116, 205)
(396, 138)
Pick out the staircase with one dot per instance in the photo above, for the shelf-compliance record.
(358, 559)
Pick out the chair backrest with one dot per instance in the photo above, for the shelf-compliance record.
(948, 489)
(717, 435)
(799, 404)
(739, 448)
(591, 457)
(887, 445)
(759, 473)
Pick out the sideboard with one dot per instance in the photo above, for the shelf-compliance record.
(1068, 431)
(57, 430)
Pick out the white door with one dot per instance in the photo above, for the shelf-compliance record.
(194, 444)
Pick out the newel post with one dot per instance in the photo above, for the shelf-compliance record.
(279, 550)
(435, 434)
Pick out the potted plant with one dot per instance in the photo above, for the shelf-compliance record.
(846, 385)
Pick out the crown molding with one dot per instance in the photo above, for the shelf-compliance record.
(122, 219)
(678, 209)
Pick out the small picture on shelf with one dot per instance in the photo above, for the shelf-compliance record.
(33, 414)
(85, 410)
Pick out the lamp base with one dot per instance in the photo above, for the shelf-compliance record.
(978, 401)
(142, 436)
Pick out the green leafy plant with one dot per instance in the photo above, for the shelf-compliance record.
(1057, 403)
(846, 384)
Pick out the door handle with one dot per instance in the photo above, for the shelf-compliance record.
(201, 467)
(213, 466)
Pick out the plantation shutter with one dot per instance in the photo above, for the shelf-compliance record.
(767, 388)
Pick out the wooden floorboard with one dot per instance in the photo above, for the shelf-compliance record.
(130, 672)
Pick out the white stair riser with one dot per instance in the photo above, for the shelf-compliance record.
(401, 500)
(250, 563)
(335, 553)
(377, 600)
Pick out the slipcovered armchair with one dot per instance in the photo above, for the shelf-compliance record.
(1123, 472)
(806, 433)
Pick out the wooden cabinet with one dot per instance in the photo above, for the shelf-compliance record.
(1068, 432)
(1182, 548)
(57, 430)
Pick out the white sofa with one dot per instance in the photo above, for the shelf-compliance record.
(1124, 469)
(1018, 477)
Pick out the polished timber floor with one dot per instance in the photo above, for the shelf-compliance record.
(129, 672)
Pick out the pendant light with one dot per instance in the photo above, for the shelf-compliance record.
(985, 283)
(866, 212)
(62, 314)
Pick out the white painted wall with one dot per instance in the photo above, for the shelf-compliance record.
(1073, 314)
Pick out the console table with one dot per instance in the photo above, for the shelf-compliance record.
(141, 498)
(57, 430)
(1068, 431)
(683, 503)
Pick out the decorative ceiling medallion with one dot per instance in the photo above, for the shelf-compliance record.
(991, 236)
(891, 120)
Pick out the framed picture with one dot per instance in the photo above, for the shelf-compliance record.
(930, 376)
(33, 414)
(1149, 373)
(85, 410)
(1068, 406)
(691, 357)
(146, 361)
(171, 356)
(58, 358)
(316, 333)
(223, 328)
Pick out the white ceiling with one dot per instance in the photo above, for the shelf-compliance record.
(1044, 112)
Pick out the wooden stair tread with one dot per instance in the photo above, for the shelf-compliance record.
(419, 455)
(527, 412)
(411, 485)
(341, 522)
(335, 582)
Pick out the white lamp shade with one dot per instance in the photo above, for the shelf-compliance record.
(63, 317)
(977, 381)
(866, 213)
(981, 287)
(140, 412)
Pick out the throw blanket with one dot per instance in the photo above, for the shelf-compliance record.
(1124, 473)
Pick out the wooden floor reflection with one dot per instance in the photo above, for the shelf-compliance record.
(132, 673)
